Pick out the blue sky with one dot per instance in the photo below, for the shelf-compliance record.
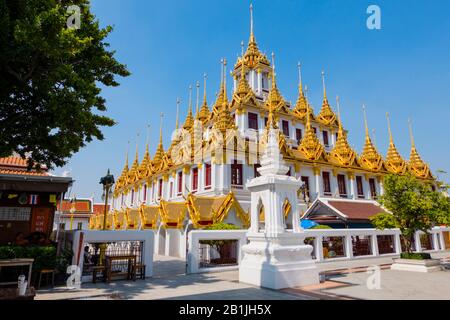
(403, 69)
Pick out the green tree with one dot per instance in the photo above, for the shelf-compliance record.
(413, 206)
(51, 77)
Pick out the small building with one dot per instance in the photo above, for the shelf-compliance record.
(28, 198)
(75, 214)
(339, 214)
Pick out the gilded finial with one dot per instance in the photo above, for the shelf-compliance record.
(273, 71)
(225, 80)
(411, 133)
(190, 99)
(242, 50)
(300, 82)
(177, 123)
(137, 144)
(198, 98)
(365, 120)
(306, 91)
(147, 139)
(339, 112)
(391, 139)
(324, 86)
(374, 137)
(161, 127)
(252, 36)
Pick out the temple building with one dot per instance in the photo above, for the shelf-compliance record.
(28, 199)
(200, 179)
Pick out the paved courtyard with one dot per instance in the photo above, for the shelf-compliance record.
(344, 280)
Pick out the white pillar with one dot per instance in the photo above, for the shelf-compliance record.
(442, 240)
(259, 81)
(348, 246)
(398, 243)
(374, 243)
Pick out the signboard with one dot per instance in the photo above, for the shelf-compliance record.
(40, 220)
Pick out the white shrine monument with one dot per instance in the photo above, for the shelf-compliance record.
(274, 257)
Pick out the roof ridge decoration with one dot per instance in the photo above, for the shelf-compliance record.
(326, 115)
(416, 165)
(370, 158)
(302, 105)
(394, 161)
(342, 153)
(310, 146)
(204, 113)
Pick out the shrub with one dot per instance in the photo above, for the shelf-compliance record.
(44, 257)
(415, 256)
(321, 226)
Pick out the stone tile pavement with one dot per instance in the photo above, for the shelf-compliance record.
(345, 280)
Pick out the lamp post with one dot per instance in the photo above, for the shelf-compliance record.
(107, 182)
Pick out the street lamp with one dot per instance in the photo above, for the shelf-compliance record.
(107, 182)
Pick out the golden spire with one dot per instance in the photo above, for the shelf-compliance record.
(394, 161)
(342, 153)
(310, 146)
(252, 35)
(416, 165)
(198, 99)
(177, 122)
(224, 119)
(189, 122)
(146, 161)
(122, 181)
(222, 91)
(326, 115)
(204, 113)
(160, 150)
(274, 100)
(243, 87)
(302, 104)
(133, 173)
(370, 158)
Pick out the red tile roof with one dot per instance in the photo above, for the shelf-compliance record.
(100, 208)
(357, 210)
(15, 165)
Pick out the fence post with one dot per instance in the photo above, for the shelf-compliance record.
(441, 237)
(398, 243)
(374, 241)
(417, 241)
(319, 248)
(435, 241)
(348, 246)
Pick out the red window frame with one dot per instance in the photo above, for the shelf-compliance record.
(194, 179)
(180, 183)
(326, 183)
(286, 129)
(160, 189)
(359, 187)
(236, 174)
(298, 135)
(305, 180)
(326, 141)
(207, 176)
(373, 188)
(342, 186)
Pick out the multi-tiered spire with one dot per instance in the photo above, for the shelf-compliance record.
(275, 100)
(302, 106)
(204, 113)
(326, 115)
(157, 159)
(310, 146)
(416, 164)
(342, 154)
(145, 168)
(189, 122)
(224, 120)
(133, 174)
(394, 161)
(370, 158)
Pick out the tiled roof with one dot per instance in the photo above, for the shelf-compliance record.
(15, 165)
(357, 210)
(100, 208)
(81, 206)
